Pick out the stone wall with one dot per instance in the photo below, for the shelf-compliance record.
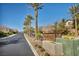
(51, 36)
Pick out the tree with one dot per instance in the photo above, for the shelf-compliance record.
(75, 15)
(36, 7)
(24, 29)
(61, 25)
(27, 22)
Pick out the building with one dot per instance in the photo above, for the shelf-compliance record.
(69, 24)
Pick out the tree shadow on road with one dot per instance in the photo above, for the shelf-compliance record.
(9, 42)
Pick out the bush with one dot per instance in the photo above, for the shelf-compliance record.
(68, 37)
(2, 34)
(14, 32)
(38, 34)
(9, 33)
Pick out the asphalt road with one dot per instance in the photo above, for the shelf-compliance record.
(15, 46)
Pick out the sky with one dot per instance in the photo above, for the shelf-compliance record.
(13, 14)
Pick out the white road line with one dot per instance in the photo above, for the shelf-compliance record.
(34, 51)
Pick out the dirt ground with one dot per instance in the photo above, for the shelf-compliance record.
(37, 44)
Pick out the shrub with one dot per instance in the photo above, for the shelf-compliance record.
(2, 34)
(38, 34)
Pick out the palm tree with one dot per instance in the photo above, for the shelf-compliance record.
(75, 12)
(25, 28)
(61, 25)
(27, 22)
(36, 7)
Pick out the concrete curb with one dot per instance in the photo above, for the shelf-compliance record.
(33, 49)
(8, 36)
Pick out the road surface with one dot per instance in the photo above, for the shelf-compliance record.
(15, 46)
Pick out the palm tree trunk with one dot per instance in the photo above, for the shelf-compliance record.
(29, 29)
(55, 31)
(75, 24)
(36, 23)
(76, 27)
